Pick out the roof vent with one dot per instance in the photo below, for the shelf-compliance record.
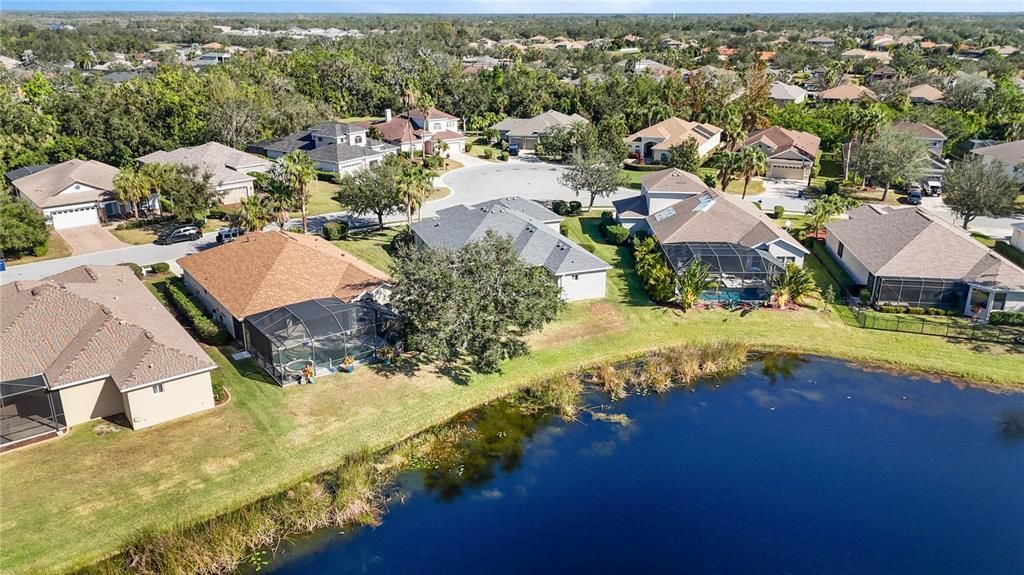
(148, 334)
(105, 310)
(92, 273)
(37, 290)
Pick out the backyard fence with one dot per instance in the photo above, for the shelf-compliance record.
(956, 330)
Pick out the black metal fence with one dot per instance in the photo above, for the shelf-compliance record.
(956, 329)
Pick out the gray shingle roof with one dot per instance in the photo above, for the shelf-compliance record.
(537, 124)
(536, 243)
(528, 207)
(910, 242)
(1009, 153)
(43, 187)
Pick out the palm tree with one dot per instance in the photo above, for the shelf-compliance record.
(254, 214)
(695, 279)
(441, 149)
(795, 283)
(752, 162)
(728, 164)
(276, 197)
(159, 175)
(417, 184)
(297, 171)
(132, 187)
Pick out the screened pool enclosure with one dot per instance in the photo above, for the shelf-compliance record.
(743, 274)
(319, 333)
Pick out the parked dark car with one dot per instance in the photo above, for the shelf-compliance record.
(225, 235)
(914, 197)
(513, 149)
(182, 234)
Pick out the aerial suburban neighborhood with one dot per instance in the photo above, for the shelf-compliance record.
(270, 279)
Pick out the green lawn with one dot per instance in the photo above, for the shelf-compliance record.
(321, 199)
(147, 234)
(371, 247)
(76, 499)
(58, 248)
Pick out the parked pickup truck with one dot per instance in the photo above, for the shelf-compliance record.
(225, 235)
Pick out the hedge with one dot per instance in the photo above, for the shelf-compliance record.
(468, 147)
(643, 167)
(1009, 252)
(334, 231)
(1006, 318)
(42, 249)
(503, 156)
(489, 153)
(136, 269)
(207, 331)
(616, 234)
(778, 212)
(135, 224)
(326, 176)
(160, 267)
(575, 208)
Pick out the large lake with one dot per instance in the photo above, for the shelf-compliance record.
(794, 466)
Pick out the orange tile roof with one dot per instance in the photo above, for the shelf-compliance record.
(266, 270)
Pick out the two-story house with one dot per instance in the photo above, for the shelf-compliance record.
(419, 130)
(333, 146)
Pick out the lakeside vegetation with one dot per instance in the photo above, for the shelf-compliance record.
(267, 439)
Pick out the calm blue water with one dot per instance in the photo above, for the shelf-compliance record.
(830, 470)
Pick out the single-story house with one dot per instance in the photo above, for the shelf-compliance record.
(791, 154)
(650, 67)
(418, 130)
(907, 256)
(334, 147)
(1009, 154)
(262, 271)
(744, 248)
(655, 142)
(782, 93)
(925, 94)
(861, 54)
(525, 132)
(821, 42)
(580, 274)
(847, 93)
(73, 193)
(93, 342)
(230, 167)
(658, 190)
(882, 74)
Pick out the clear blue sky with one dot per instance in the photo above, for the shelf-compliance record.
(524, 6)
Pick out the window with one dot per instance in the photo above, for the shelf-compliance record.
(158, 389)
(839, 251)
(575, 276)
(999, 301)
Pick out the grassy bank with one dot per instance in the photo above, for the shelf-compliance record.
(75, 500)
(58, 248)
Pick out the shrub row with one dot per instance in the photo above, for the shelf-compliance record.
(325, 176)
(643, 167)
(334, 231)
(205, 328)
(1009, 252)
(1006, 318)
(135, 224)
(913, 310)
(160, 267)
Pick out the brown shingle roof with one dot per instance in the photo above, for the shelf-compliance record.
(925, 92)
(44, 187)
(918, 129)
(267, 270)
(779, 139)
(847, 92)
(675, 131)
(93, 322)
(910, 242)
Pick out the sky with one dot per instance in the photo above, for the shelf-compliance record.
(521, 6)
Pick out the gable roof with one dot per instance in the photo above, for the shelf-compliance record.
(720, 218)
(266, 270)
(847, 92)
(884, 71)
(227, 164)
(779, 140)
(110, 326)
(925, 92)
(1009, 153)
(429, 114)
(535, 242)
(673, 180)
(675, 131)
(537, 124)
(43, 187)
(919, 130)
(910, 242)
(528, 207)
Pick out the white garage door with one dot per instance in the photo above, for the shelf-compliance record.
(74, 218)
(786, 173)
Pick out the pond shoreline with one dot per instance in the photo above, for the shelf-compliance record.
(366, 505)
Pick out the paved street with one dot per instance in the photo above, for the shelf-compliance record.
(998, 228)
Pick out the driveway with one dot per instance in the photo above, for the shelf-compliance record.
(90, 239)
(997, 228)
(785, 193)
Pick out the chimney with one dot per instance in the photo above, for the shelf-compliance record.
(387, 115)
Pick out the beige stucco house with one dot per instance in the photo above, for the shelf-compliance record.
(791, 154)
(230, 168)
(93, 342)
(654, 143)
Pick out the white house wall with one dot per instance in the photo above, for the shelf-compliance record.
(579, 287)
(1017, 240)
(784, 252)
(217, 312)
